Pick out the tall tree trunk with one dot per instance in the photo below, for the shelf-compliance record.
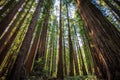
(18, 69)
(53, 59)
(64, 50)
(41, 50)
(87, 54)
(96, 70)
(50, 57)
(80, 54)
(53, 52)
(104, 37)
(41, 53)
(60, 55)
(70, 46)
(112, 7)
(76, 63)
(6, 38)
(9, 3)
(33, 51)
(5, 22)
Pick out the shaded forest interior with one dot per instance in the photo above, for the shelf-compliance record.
(59, 39)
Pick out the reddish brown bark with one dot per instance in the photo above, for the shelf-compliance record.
(41, 50)
(9, 3)
(104, 38)
(18, 68)
(5, 22)
(80, 54)
(5, 48)
(71, 50)
(31, 56)
(60, 54)
(65, 66)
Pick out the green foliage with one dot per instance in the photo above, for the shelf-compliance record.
(88, 77)
(38, 71)
(38, 67)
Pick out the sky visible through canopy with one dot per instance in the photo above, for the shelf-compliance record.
(71, 10)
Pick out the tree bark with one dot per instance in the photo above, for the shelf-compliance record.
(41, 50)
(104, 38)
(76, 63)
(33, 51)
(5, 48)
(80, 54)
(70, 46)
(9, 3)
(64, 50)
(60, 54)
(5, 22)
(19, 67)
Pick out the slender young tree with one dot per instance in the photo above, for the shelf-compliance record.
(80, 54)
(50, 56)
(60, 55)
(53, 52)
(70, 45)
(64, 50)
(76, 62)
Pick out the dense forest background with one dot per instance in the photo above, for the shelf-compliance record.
(59, 39)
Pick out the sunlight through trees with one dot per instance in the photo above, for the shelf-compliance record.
(59, 39)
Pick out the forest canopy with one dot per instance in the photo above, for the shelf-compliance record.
(59, 39)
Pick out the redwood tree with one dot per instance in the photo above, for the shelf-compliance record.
(104, 37)
(6, 21)
(18, 70)
(60, 54)
(71, 50)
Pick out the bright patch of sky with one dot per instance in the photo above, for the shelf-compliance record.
(57, 10)
(36, 1)
(105, 10)
(71, 9)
